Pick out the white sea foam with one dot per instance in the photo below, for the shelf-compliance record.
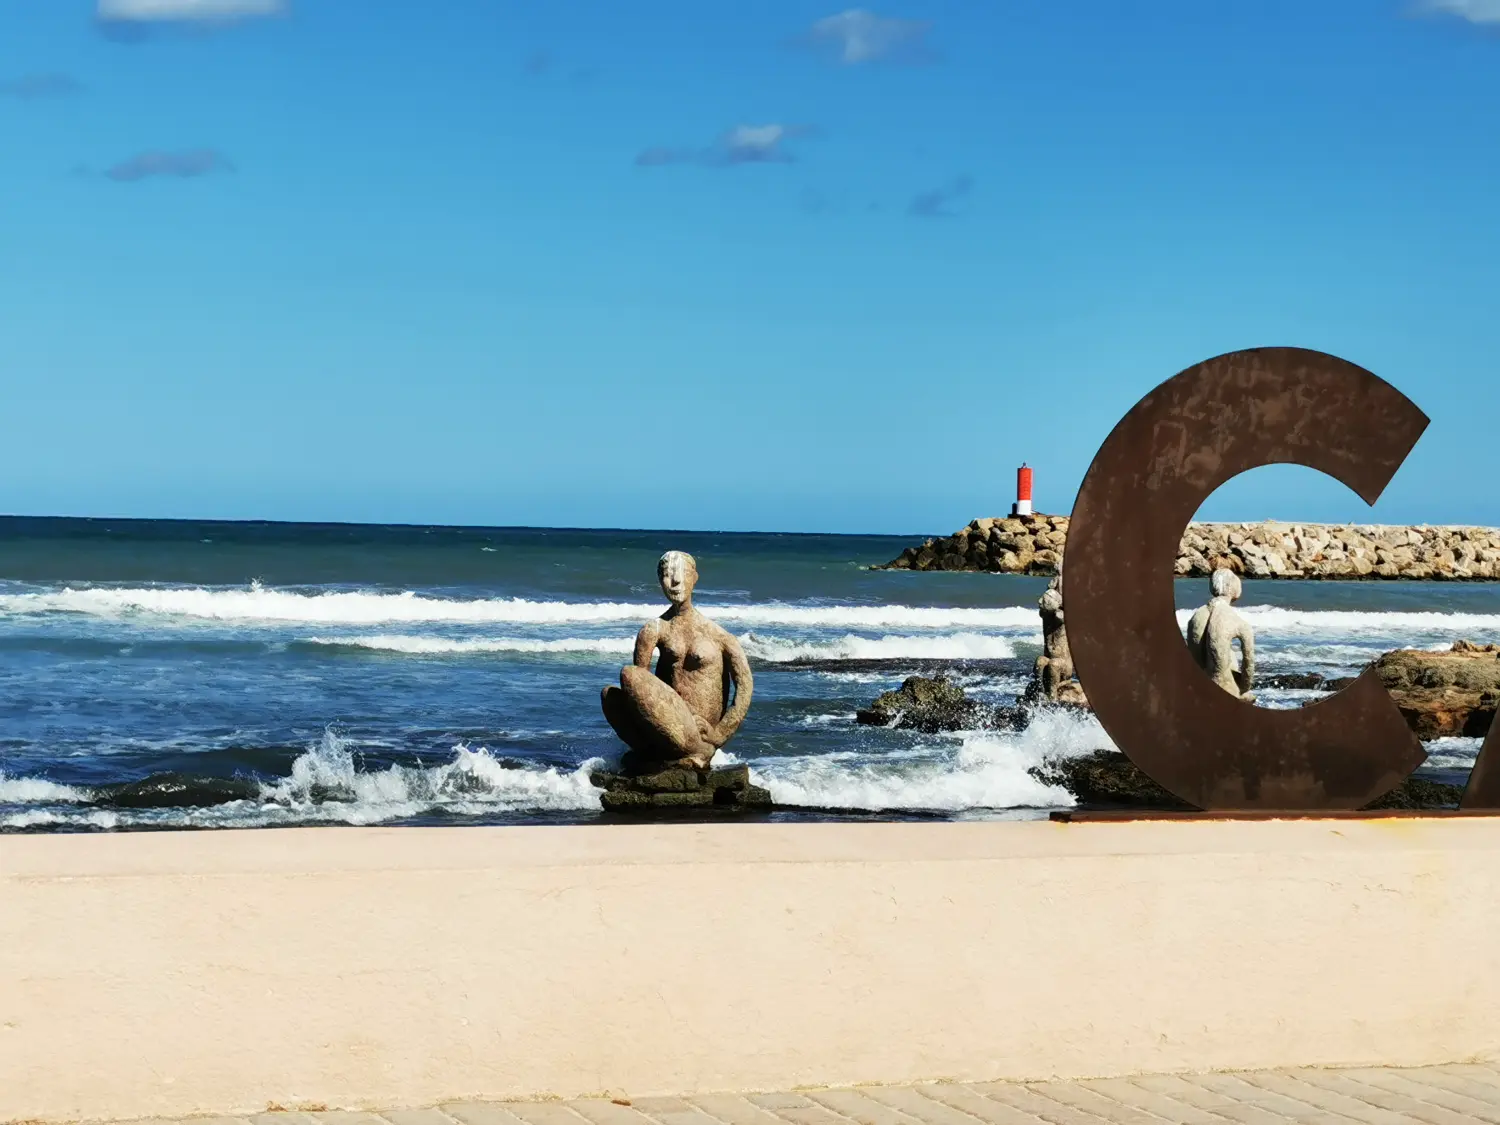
(440, 646)
(257, 603)
(1336, 623)
(955, 646)
(982, 772)
(1452, 753)
(958, 646)
(37, 791)
(326, 783)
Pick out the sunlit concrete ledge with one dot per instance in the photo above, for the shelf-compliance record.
(172, 974)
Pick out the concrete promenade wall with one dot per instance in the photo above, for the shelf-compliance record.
(168, 974)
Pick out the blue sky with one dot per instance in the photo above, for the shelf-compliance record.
(777, 266)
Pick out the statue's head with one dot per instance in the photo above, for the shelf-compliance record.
(1225, 583)
(678, 573)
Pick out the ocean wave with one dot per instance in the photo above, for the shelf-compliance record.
(771, 650)
(954, 646)
(985, 771)
(442, 646)
(1330, 623)
(325, 785)
(257, 603)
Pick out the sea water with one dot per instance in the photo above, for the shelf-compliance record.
(349, 674)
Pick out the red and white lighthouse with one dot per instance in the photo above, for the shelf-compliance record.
(1022, 506)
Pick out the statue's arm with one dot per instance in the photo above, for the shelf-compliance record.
(645, 644)
(1246, 675)
(744, 686)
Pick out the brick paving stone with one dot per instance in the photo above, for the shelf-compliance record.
(1333, 1101)
(411, 1117)
(859, 1107)
(546, 1113)
(1287, 1108)
(1158, 1105)
(1412, 1109)
(734, 1109)
(966, 1103)
(344, 1117)
(1091, 1101)
(1181, 1089)
(480, 1113)
(601, 1111)
(673, 1111)
(1040, 1107)
(1411, 1084)
(1452, 1078)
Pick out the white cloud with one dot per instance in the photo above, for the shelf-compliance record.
(1475, 11)
(187, 11)
(860, 36)
(744, 144)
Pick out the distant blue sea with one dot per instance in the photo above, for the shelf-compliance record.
(346, 674)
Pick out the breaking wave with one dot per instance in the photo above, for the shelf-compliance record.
(257, 603)
(985, 771)
(325, 785)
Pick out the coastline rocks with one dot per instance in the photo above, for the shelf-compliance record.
(934, 705)
(922, 704)
(1108, 779)
(1445, 694)
(176, 791)
(678, 790)
(1033, 545)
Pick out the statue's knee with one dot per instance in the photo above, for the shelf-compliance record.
(630, 677)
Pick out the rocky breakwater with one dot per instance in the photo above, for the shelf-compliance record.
(1034, 545)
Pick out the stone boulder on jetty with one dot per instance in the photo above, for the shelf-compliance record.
(679, 790)
(1034, 545)
(1445, 694)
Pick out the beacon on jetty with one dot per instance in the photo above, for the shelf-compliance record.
(1022, 506)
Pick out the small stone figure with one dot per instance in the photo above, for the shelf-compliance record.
(699, 694)
(1212, 632)
(1055, 666)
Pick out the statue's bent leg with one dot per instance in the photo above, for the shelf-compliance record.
(666, 714)
(621, 713)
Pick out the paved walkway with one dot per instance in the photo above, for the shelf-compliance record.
(1448, 1095)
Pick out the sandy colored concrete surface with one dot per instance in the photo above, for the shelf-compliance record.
(172, 974)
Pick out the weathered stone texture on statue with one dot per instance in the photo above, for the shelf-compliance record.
(1213, 631)
(1033, 545)
(1052, 678)
(697, 697)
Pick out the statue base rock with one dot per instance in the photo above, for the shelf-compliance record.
(682, 790)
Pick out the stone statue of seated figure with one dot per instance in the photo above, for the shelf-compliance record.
(696, 699)
(1212, 632)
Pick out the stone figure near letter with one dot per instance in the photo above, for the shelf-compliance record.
(697, 697)
(1055, 666)
(1212, 632)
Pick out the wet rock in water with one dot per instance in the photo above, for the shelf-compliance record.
(926, 705)
(1445, 694)
(679, 790)
(1107, 779)
(177, 791)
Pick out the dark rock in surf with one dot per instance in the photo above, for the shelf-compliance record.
(925, 704)
(177, 791)
(1107, 779)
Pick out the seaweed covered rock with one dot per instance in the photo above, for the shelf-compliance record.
(681, 790)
